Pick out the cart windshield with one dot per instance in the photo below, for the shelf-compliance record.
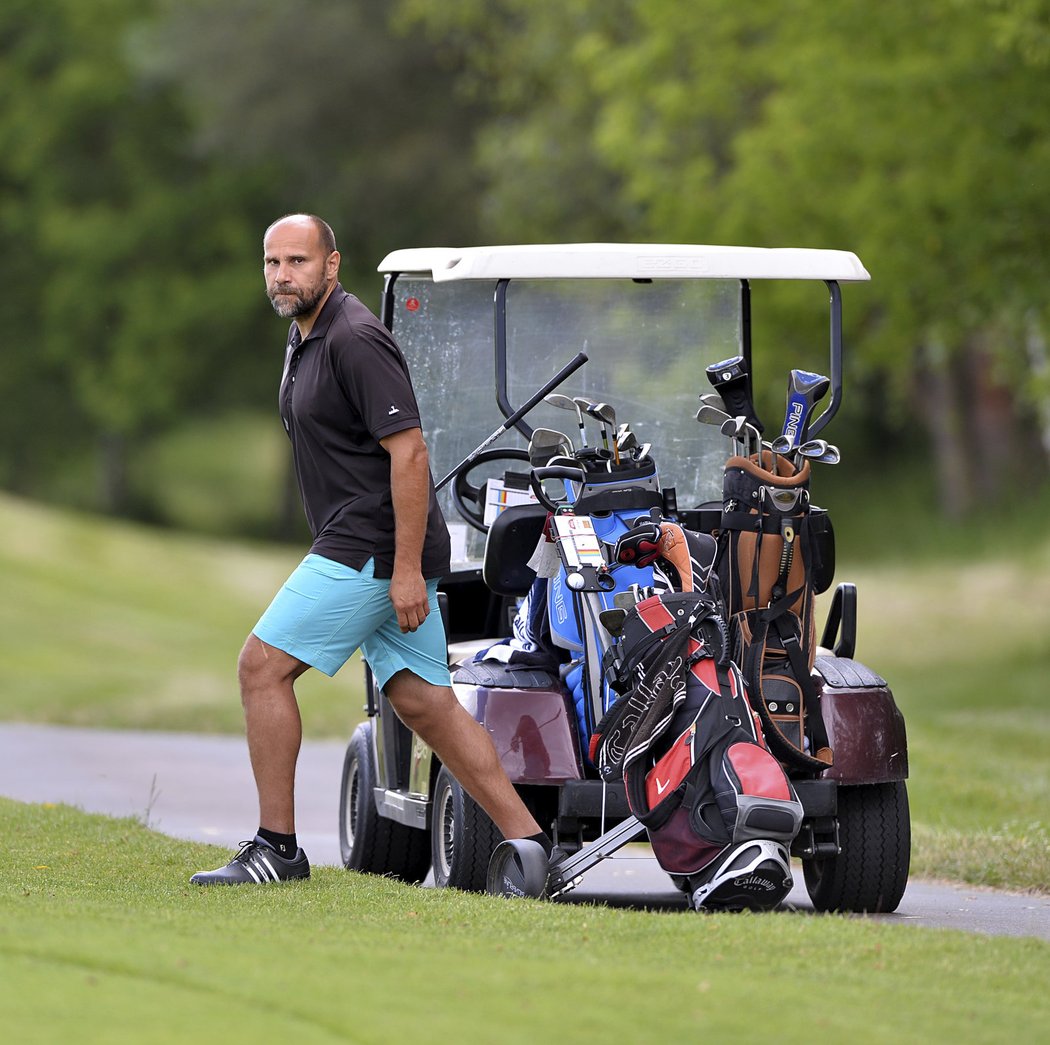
(648, 343)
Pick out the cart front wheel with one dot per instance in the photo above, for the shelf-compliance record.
(367, 841)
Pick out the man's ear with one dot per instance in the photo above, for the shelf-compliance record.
(331, 265)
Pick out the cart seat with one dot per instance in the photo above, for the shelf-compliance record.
(512, 539)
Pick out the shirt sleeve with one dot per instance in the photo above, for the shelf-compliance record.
(375, 377)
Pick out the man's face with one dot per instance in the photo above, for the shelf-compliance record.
(297, 272)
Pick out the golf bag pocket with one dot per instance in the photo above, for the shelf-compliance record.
(754, 795)
(771, 650)
(702, 797)
(678, 849)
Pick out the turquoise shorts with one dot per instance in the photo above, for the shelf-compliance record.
(326, 611)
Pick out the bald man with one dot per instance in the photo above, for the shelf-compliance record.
(380, 546)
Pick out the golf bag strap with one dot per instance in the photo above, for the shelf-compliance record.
(779, 744)
(800, 669)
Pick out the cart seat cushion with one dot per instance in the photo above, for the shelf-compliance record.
(493, 675)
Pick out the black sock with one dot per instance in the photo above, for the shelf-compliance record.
(285, 845)
(544, 840)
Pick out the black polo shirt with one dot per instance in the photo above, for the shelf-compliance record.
(343, 389)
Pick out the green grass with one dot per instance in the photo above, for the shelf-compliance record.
(103, 940)
(108, 624)
(964, 645)
(111, 625)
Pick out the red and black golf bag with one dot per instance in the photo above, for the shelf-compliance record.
(718, 808)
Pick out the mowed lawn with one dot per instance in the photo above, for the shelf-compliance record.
(103, 940)
(110, 624)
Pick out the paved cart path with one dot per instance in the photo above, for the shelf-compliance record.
(200, 788)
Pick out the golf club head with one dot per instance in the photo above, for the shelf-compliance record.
(734, 427)
(564, 402)
(709, 415)
(560, 401)
(819, 451)
(546, 443)
(733, 383)
(805, 389)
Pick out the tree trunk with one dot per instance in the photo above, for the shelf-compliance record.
(940, 406)
(1001, 455)
(982, 447)
(113, 485)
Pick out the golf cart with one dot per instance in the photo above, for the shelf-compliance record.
(510, 349)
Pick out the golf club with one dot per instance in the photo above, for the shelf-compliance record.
(563, 402)
(582, 404)
(733, 384)
(604, 413)
(546, 443)
(709, 415)
(804, 391)
(736, 429)
(820, 451)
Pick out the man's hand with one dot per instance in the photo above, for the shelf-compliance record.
(408, 593)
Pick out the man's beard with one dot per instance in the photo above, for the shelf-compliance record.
(290, 304)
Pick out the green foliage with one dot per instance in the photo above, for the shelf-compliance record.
(126, 283)
(354, 119)
(896, 131)
(229, 476)
(102, 939)
(144, 146)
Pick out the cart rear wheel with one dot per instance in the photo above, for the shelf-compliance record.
(367, 841)
(462, 837)
(871, 871)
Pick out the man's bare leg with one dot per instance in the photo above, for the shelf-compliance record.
(434, 714)
(274, 728)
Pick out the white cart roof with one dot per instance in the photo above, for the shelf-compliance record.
(626, 261)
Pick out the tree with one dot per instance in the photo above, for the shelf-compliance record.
(350, 117)
(144, 146)
(125, 243)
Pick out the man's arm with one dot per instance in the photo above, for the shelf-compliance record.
(410, 491)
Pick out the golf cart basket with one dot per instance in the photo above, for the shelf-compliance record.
(634, 327)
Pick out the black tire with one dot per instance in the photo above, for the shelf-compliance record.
(519, 867)
(369, 842)
(871, 872)
(462, 837)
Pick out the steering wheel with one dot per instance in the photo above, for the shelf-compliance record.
(469, 499)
